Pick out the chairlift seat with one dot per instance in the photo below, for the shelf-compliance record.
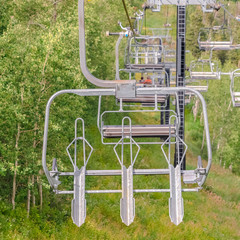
(216, 43)
(170, 55)
(115, 131)
(145, 66)
(199, 88)
(158, 66)
(236, 94)
(144, 99)
(204, 75)
(218, 47)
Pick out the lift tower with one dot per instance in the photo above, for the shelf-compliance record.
(180, 79)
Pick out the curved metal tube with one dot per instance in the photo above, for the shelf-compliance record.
(82, 51)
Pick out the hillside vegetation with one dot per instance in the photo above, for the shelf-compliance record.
(40, 56)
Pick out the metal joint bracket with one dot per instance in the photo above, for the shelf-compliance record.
(200, 171)
(126, 90)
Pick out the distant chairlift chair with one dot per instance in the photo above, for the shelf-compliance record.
(235, 88)
(163, 33)
(145, 53)
(204, 69)
(217, 38)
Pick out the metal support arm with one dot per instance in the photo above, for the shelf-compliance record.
(82, 51)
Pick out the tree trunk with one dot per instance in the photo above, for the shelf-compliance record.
(203, 140)
(34, 147)
(195, 109)
(28, 197)
(40, 188)
(54, 11)
(15, 167)
(219, 139)
(33, 195)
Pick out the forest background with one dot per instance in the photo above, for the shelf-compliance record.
(40, 56)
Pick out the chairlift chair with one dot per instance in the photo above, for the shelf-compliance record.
(127, 202)
(204, 69)
(127, 132)
(136, 131)
(217, 38)
(163, 33)
(159, 79)
(146, 53)
(144, 50)
(235, 88)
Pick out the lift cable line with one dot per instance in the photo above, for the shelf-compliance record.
(129, 20)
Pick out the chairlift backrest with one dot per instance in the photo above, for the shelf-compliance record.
(144, 50)
(145, 130)
(163, 33)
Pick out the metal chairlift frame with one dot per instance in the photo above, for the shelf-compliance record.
(155, 75)
(216, 45)
(139, 17)
(235, 95)
(127, 202)
(156, 56)
(150, 51)
(213, 74)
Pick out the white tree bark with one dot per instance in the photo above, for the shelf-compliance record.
(15, 167)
